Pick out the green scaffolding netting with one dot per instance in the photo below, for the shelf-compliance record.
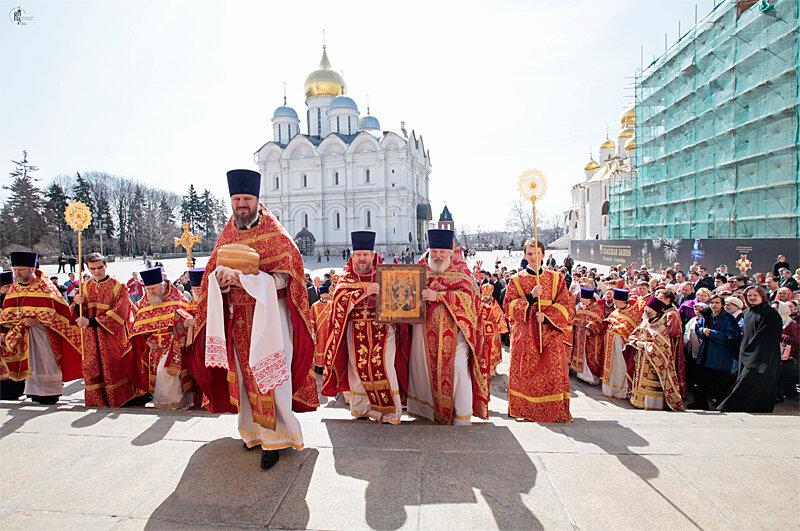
(717, 131)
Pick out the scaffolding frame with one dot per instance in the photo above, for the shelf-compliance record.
(717, 132)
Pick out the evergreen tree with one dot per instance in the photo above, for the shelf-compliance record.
(26, 206)
(82, 192)
(54, 207)
(136, 218)
(191, 208)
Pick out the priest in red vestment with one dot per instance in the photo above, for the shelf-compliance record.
(366, 358)
(538, 378)
(9, 389)
(320, 325)
(448, 378)
(621, 323)
(220, 361)
(151, 339)
(494, 325)
(103, 311)
(589, 328)
(41, 346)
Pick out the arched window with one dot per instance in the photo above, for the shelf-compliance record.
(305, 221)
(277, 182)
(338, 222)
(337, 124)
(305, 181)
(336, 178)
(369, 218)
(366, 177)
(587, 194)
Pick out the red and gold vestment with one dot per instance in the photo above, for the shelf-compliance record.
(153, 322)
(320, 324)
(538, 382)
(369, 343)
(39, 299)
(588, 337)
(458, 309)
(494, 325)
(621, 323)
(108, 381)
(279, 254)
(654, 374)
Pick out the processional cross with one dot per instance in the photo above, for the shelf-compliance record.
(187, 241)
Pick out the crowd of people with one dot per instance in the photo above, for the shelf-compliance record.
(245, 334)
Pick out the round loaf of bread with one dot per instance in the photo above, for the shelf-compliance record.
(240, 257)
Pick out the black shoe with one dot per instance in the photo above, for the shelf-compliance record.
(47, 400)
(268, 458)
(138, 401)
(697, 405)
(362, 418)
(244, 445)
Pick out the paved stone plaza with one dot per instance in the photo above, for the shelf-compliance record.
(613, 467)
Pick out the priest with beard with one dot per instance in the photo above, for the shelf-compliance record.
(39, 343)
(589, 329)
(151, 339)
(448, 378)
(233, 379)
(651, 361)
(541, 310)
(366, 358)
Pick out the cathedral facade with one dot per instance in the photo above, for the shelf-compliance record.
(588, 217)
(344, 173)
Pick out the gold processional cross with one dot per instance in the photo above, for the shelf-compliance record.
(187, 241)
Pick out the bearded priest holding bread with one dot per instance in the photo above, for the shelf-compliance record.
(252, 352)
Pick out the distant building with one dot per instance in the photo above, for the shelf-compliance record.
(716, 131)
(589, 216)
(446, 220)
(344, 173)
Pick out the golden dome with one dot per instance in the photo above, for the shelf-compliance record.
(608, 144)
(591, 165)
(630, 145)
(627, 118)
(324, 82)
(626, 133)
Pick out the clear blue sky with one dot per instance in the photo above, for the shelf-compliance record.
(177, 92)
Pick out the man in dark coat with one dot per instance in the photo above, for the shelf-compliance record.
(759, 357)
(780, 264)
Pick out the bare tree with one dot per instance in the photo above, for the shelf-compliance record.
(519, 220)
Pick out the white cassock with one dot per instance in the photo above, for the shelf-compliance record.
(359, 403)
(287, 430)
(45, 379)
(586, 374)
(168, 392)
(420, 396)
(617, 385)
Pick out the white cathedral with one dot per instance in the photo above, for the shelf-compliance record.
(344, 174)
(588, 217)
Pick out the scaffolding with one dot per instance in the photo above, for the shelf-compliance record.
(717, 132)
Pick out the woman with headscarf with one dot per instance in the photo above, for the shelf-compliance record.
(759, 357)
(717, 330)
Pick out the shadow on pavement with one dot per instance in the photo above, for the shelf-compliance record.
(614, 439)
(417, 464)
(159, 429)
(223, 485)
(18, 417)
